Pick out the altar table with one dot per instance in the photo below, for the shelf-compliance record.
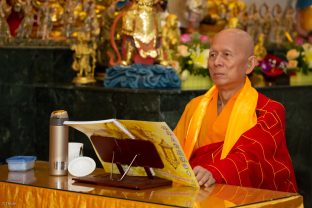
(36, 188)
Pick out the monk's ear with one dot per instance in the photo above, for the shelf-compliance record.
(252, 63)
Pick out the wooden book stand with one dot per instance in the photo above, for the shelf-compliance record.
(131, 152)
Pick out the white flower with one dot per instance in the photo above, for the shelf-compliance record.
(200, 58)
(307, 47)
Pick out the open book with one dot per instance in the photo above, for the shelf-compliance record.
(176, 166)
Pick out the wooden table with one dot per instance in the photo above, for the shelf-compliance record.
(36, 188)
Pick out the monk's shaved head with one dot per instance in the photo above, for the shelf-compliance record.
(240, 37)
(231, 59)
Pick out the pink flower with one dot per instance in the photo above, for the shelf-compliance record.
(299, 40)
(185, 38)
(204, 38)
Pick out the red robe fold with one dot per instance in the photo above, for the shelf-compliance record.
(260, 157)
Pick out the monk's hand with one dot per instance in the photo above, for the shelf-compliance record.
(203, 176)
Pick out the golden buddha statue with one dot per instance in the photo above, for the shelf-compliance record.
(45, 23)
(5, 34)
(141, 33)
(55, 13)
(170, 37)
(73, 18)
(84, 59)
(91, 23)
(71, 13)
(224, 13)
(83, 14)
(68, 19)
(234, 9)
(221, 11)
(142, 22)
(25, 29)
(213, 8)
(5, 9)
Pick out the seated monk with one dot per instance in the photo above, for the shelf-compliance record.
(234, 134)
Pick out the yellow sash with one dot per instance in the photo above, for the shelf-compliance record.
(242, 118)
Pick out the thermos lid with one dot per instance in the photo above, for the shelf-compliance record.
(59, 114)
(58, 117)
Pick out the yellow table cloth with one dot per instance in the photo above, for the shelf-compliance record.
(36, 188)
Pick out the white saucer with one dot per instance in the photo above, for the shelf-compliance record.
(81, 166)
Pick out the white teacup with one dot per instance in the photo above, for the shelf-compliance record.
(75, 149)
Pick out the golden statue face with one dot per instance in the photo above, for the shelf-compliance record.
(172, 20)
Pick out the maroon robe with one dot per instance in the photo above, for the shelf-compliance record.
(259, 158)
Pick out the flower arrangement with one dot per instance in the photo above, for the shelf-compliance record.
(295, 57)
(193, 55)
(271, 66)
(299, 57)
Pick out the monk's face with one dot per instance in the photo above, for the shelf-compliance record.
(228, 60)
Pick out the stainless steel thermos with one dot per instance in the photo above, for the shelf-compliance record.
(58, 145)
